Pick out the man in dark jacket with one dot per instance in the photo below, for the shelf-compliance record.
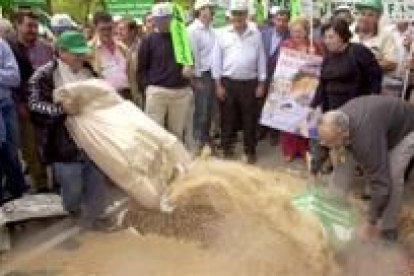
(82, 183)
(378, 132)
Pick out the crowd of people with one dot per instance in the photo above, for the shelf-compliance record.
(224, 90)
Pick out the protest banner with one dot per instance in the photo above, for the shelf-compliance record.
(30, 3)
(294, 84)
(399, 9)
(133, 8)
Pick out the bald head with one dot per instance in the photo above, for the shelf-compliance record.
(333, 128)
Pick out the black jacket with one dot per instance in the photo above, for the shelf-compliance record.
(347, 75)
(53, 140)
(26, 70)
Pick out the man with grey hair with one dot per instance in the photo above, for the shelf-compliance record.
(378, 132)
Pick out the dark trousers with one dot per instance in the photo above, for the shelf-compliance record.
(240, 105)
(205, 101)
(10, 166)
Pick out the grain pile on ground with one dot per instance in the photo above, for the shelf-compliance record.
(246, 213)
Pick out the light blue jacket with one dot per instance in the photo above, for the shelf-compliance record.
(9, 71)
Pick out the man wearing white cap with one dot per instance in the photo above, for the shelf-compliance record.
(344, 12)
(239, 68)
(168, 94)
(62, 22)
(273, 36)
(202, 40)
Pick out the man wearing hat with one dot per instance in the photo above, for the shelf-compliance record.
(344, 12)
(62, 22)
(82, 183)
(239, 68)
(378, 39)
(273, 36)
(202, 40)
(167, 91)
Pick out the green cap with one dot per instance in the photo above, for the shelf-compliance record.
(375, 5)
(73, 42)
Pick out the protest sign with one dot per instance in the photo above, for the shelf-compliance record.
(133, 8)
(295, 81)
(30, 3)
(399, 9)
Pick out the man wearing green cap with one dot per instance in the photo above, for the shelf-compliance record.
(371, 33)
(82, 184)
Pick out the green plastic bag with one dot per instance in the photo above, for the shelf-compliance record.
(337, 216)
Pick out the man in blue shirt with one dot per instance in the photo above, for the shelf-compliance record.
(9, 160)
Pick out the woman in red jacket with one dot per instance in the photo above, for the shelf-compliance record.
(294, 145)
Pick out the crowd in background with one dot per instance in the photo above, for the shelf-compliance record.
(223, 91)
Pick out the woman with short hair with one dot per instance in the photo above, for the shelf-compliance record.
(349, 70)
(294, 145)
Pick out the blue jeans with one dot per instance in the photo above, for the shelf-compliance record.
(83, 188)
(10, 166)
(205, 103)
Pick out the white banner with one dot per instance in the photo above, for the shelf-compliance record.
(295, 81)
(399, 9)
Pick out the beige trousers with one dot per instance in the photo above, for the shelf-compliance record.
(169, 107)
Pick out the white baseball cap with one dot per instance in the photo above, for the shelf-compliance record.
(343, 8)
(62, 20)
(199, 4)
(239, 5)
(162, 10)
(274, 10)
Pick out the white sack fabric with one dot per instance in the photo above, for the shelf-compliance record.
(136, 153)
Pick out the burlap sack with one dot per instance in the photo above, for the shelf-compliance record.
(135, 152)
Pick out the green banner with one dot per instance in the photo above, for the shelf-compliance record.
(219, 19)
(181, 43)
(133, 8)
(29, 3)
(260, 11)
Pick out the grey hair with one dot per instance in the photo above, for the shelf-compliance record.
(336, 118)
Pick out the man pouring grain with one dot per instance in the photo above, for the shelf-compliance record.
(378, 133)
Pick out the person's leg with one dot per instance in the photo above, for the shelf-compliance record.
(69, 176)
(205, 106)
(399, 159)
(287, 143)
(179, 106)
(246, 96)
(95, 191)
(30, 155)
(156, 104)
(227, 116)
(9, 155)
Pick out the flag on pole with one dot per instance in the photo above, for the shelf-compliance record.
(260, 11)
(181, 43)
(294, 8)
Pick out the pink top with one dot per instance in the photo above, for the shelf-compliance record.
(114, 67)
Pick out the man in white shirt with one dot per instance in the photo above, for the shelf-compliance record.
(239, 68)
(370, 33)
(202, 40)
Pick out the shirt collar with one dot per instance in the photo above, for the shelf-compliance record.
(249, 30)
(200, 25)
